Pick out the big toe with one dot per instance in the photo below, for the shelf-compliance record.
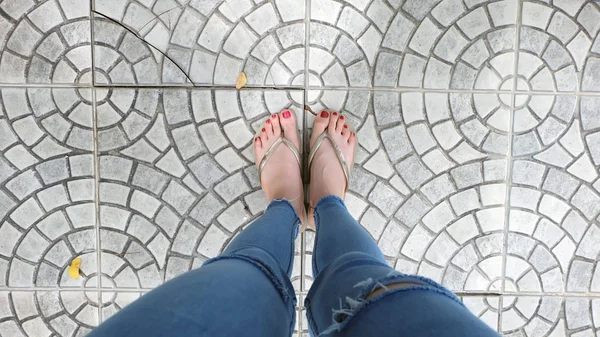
(320, 124)
(287, 119)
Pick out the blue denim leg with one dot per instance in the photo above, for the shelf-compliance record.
(244, 292)
(349, 266)
(339, 233)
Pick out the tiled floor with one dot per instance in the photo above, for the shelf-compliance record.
(479, 127)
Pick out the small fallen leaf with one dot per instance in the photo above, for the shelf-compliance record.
(241, 80)
(307, 108)
(74, 268)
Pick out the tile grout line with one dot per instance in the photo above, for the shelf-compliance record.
(306, 86)
(302, 253)
(509, 164)
(307, 7)
(305, 142)
(96, 168)
(299, 315)
(302, 88)
(304, 293)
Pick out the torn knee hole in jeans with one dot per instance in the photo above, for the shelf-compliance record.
(350, 306)
(373, 291)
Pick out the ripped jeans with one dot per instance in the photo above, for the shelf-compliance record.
(247, 291)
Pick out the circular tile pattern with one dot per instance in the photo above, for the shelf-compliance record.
(556, 45)
(124, 116)
(176, 195)
(45, 43)
(52, 223)
(121, 57)
(211, 42)
(465, 48)
(50, 122)
(549, 233)
(41, 255)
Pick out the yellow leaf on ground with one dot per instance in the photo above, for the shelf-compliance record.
(74, 268)
(241, 80)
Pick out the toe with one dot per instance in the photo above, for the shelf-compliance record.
(340, 124)
(269, 127)
(346, 132)
(321, 123)
(333, 121)
(264, 134)
(287, 119)
(352, 139)
(276, 125)
(258, 149)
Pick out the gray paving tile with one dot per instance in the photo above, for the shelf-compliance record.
(436, 205)
(113, 302)
(45, 42)
(47, 215)
(303, 322)
(435, 45)
(549, 316)
(46, 313)
(485, 307)
(553, 230)
(559, 46)
(183, 194)
(212, 42)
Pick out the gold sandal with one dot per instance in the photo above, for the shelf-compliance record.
(269, 154)
(273, 148)
(338, 153)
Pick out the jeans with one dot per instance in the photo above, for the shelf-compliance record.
(247, 291)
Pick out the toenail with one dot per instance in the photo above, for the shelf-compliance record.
(335, 113)
(286, 114)
(256, 139)
(268, 121)
(341, 116)
(324, 114)
(264, 130)
(273, 116)
(345, 126)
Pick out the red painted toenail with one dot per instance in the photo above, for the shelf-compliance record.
(273, 116)
(256, 139)
(335, 113)
(286, 114)
(268, 121)
(345, 126)
(264, 130)
(324, 114)
(341, 116)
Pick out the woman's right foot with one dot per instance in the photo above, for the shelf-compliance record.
(326, 173)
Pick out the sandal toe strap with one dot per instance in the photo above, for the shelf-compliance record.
(272, 150)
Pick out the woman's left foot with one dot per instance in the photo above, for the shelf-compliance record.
(281, 177)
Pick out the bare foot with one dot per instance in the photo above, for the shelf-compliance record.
(280, 177)
(326, 174)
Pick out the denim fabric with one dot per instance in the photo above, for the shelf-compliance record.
(247, 292)
(244, 292)
(348, 266)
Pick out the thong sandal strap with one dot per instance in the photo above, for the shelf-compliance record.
(272, 150)
(338, 152)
